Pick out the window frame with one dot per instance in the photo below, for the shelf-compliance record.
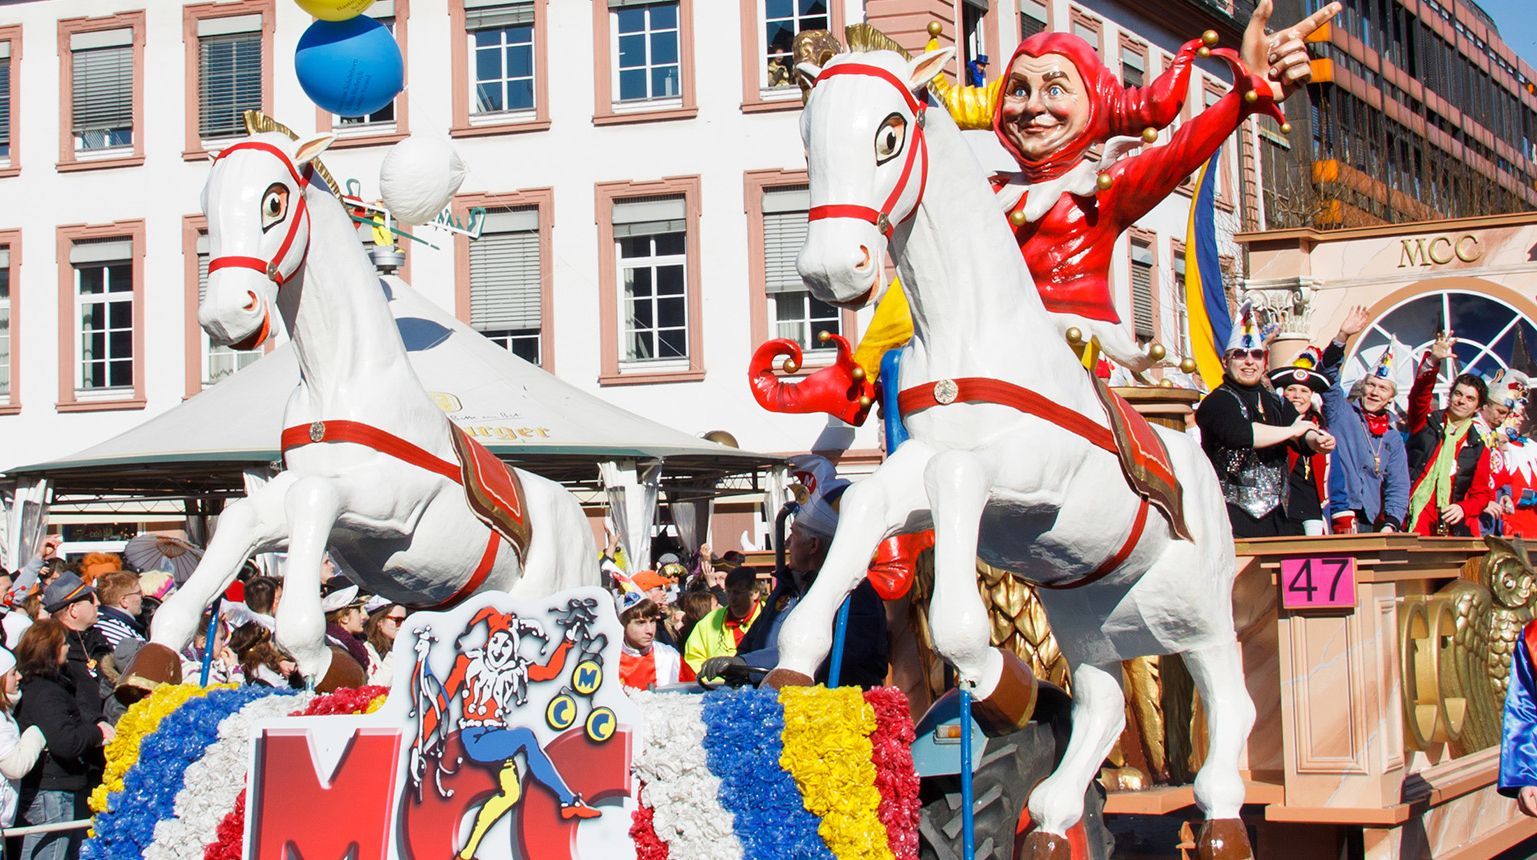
(459, 59)
(11, 164)
(757, 98)
(11, 241)
(611, 371)
(1079, 18)
(755, 183)
(195, 343)
(1137, 48)
(69, 160)
(542, 200)
(1223, 197)
(1182, 341)
(349, 136)
(1019, 14)
(607, 111)
(1148, 241)
(68, 354)
(195, 146)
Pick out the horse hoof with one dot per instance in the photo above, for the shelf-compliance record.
(780, 678)
(344, 672)
(1011, 704)
(1223, 839)
(154, 665)
(1040, 845)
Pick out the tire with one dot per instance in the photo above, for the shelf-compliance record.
(1011, 767)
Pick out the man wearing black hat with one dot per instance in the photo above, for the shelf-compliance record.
(72, 603)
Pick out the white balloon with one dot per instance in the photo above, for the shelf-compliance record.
(418, 178)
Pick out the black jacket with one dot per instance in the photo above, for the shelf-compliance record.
(74, 743)
(866, 646)
(1422, 445)
(86, 648)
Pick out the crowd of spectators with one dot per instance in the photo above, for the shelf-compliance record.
(1296, 455)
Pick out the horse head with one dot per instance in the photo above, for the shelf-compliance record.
(867, 162)
(258, 233)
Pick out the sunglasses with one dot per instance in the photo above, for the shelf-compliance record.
(1239, 354)
(395, 618)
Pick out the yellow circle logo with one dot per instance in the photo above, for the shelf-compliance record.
(601, 724)
(560, 713)
(587, 678)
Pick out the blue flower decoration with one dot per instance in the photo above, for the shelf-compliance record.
(743, 741)
(151, 785)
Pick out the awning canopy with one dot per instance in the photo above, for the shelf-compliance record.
(200, 449)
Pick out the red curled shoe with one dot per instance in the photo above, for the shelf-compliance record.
(891, 571)
(577, 808)
(840, 389)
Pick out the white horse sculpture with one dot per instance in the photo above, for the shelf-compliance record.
(988, 466)
(372, 469)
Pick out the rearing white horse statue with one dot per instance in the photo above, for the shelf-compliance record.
(1006, 456)
(374, 467)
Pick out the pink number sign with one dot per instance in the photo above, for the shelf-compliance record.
(1314, 582)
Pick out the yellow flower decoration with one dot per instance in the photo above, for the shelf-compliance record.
(138, 723)
(376, 704)
(827, 751)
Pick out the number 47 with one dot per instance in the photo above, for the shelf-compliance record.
(1302, 580)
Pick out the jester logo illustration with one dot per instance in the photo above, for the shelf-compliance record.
(480, 703)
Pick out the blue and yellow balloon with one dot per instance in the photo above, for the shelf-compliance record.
(351, 67)
(335, 10)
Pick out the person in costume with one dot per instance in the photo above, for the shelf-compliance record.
(1518, 745)
(1369, 470)
(1302, 383)
(643, 661)
(1507, 448)
(1448, 459)
(722, 631)
(1248, 430)
(490, 683)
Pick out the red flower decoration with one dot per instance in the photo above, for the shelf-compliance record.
(895, 777)
(648, 846)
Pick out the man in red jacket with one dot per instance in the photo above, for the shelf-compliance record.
(1448, 461)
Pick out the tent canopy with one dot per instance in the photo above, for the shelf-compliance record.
(527, 417)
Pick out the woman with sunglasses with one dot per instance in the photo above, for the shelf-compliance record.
(1247, 431)
(384, 620)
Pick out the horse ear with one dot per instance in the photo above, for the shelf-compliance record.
(311, 148)
(808, 73)
(923, 69)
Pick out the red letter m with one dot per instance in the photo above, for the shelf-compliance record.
(300, 814)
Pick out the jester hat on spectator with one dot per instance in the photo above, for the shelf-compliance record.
(1508, 388)
(1302, 371)
(819, 510)
(1384, 367)
(1247, 333)
(1114, 110)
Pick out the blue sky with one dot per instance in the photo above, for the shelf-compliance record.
(1518, 26)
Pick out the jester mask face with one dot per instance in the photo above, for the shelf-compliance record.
(1045, 106)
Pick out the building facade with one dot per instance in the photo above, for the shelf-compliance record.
(640, 163)
(1418, 110)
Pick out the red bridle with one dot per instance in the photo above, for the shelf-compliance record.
(917, 148)
(300, 214)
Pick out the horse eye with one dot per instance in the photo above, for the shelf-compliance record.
(274, 204)
(889, 137)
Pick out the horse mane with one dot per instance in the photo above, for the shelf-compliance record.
(257, 122)
(819, 46)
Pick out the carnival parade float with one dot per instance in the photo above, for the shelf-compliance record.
(1081, 617)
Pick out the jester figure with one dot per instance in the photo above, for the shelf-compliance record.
(1055, 102)
(489, 684)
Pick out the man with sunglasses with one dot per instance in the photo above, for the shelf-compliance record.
(1246, 432)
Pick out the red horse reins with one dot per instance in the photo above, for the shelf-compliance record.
(917, 148)
(271, 268)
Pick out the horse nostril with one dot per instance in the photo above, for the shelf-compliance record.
(864, 258)
(254, 301)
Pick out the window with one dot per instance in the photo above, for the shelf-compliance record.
(782, 20)
(383, 120)
(646, 63)
(10, 54)
(103, 271)
(229, 67)
(218, 362)
(1087, 29)
(1033, 18)
(973, 30)
(229, 74)
(650, 237)
(101, 89)
(501, 51)
(8, 243)
(1181, 310)
(1142, 311)
(794, 312)
(1133, 64)
(506, 301)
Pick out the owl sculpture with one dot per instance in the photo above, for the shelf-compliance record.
(1492, 602)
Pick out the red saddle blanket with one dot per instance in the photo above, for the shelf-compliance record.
(1144, 459)
(493, 491)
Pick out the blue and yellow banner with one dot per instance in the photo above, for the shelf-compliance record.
(1205, 300)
